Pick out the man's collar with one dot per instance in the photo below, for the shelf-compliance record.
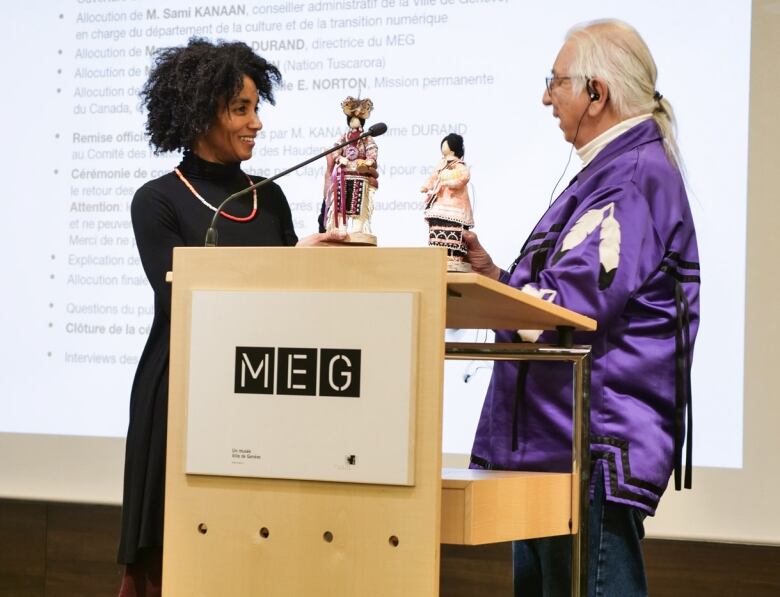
(591, 149)
(639, 134)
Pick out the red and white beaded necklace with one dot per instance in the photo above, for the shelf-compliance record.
(212, 208)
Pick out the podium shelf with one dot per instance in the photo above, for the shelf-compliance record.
(476, 301)
(479, 506)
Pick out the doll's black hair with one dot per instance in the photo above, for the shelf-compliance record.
(455, 142)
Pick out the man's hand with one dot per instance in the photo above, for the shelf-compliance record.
(478, 257)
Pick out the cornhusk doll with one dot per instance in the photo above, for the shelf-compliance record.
(349, 197)
(447, 204)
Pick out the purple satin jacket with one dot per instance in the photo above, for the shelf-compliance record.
(618, 245)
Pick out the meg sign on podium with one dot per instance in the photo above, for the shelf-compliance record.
(302, 385)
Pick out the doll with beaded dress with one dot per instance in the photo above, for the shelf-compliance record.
(447, 204)
(348, 194)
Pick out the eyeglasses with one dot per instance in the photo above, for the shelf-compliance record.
(549, 82)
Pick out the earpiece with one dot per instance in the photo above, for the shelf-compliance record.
(594, 95)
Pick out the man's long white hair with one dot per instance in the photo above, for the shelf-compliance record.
(615, 52)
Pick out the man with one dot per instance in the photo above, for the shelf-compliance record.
(618, 245)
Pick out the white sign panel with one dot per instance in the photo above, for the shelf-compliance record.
(302, 385)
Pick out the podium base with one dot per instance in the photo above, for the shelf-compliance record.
(458, 267)
(355, 239)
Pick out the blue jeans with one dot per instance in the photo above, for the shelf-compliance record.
(542, 567)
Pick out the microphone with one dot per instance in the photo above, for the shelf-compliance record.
(380, 128)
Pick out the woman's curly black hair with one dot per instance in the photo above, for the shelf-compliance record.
(188, 85)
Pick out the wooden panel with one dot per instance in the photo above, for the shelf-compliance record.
(475, 301)
(232, 557)
(22, 548)
(674, 568)
(83, 532)
(71, 578)
(493, 506)
(81, 550)
(476, 571)
(712, 569)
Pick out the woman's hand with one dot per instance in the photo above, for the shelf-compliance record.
(372, 174)
(318, 238)
(478, 257)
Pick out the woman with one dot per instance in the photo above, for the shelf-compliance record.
(202, 99)
(447, 204)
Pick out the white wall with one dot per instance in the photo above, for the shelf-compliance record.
(741, 504)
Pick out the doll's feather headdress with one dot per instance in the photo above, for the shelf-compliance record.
(357, 107)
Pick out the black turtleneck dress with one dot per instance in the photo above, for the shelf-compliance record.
(165, 215)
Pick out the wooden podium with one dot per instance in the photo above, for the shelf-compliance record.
(246, 536)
